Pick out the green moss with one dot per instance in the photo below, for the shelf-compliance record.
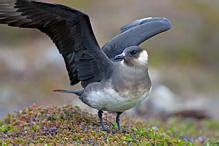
(69, 124)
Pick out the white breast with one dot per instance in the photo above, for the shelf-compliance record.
(110, 100)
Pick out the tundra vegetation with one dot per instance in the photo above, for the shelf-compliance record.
(70, 125)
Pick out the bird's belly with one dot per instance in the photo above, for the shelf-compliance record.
(109, 100)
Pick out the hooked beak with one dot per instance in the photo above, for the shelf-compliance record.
(119, 57)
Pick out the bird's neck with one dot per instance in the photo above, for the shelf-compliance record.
(131, 67)
(132, 74)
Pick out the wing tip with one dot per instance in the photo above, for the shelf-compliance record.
(164, 21)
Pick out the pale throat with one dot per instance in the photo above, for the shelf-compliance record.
(143, 58)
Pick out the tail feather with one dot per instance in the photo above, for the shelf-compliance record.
(77, 92)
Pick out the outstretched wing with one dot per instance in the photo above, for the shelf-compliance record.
(69, 29)
(135, 33)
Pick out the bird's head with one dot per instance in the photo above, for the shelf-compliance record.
(133, 56)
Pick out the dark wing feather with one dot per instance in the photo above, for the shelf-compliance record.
(69, 29)
(135, 33)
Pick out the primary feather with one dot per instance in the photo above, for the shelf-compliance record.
(68, 28)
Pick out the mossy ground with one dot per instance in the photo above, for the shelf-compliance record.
(69, 125)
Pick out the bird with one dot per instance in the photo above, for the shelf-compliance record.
(114, 78)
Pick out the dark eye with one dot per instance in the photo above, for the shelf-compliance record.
(133, 52)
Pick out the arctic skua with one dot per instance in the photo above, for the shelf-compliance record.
(114, 78)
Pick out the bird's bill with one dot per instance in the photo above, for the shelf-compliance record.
(119, 57)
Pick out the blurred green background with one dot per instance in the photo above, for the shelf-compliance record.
(186, 57)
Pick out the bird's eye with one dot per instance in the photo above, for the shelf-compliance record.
(133, 52)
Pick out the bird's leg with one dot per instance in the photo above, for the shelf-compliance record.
(101, 120)
(118, 119)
